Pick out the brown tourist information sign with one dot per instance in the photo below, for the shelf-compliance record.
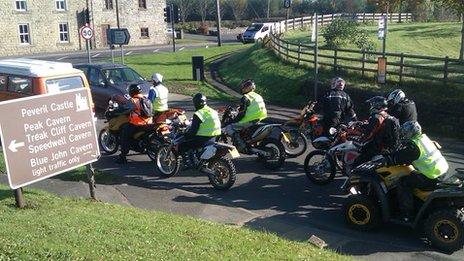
(46, 135)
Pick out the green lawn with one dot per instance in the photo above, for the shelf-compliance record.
(2, 162)
(56, 228)
(177, 69)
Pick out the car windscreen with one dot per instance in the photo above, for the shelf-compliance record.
(255, 27)
(63, 84)
(122, 75)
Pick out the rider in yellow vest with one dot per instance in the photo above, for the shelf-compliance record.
(419, 151)
(158, 95)
(206, 125)
(252, 110)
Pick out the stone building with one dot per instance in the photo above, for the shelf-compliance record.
(39, 26)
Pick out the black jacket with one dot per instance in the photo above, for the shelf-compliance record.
(336, 107)
(194, 127)
(405, 155)
(244, 103)
(404, 111)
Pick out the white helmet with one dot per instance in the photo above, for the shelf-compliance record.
(396, 96)
(157, 78)
(338, 84)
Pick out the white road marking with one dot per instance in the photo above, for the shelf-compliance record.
(155, 51)
(96, 55)
(61, 58)
(128, 53)
(182, 48)
(207, 46)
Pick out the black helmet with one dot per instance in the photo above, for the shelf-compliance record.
(134, 89)
(377, 104)
(199, 101)
(247, 86)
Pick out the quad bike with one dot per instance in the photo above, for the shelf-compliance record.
(440, 212)
(341, 151)
(211, 159)
(145, 141)
(264, 140)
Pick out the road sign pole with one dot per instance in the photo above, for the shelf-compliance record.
(316, 53)
(19, 197)
(384, 41)
(112, 53)
(89, 59)
(173, 29)
(218, 22)
(122, 54)
(91, 180)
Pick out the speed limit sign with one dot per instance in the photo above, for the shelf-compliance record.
(86, 32)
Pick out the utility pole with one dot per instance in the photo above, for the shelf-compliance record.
(119, 26)
(268, 8)
(173, 28)
(316, 54)
(461, 54)
(218, 21)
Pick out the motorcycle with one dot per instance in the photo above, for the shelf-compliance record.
(341, 153)
(145, 141)
(263, 140)
(211, 159)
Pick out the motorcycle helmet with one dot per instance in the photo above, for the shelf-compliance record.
(199, 101)
(157, 78)
(338, 84)
(134, 89)
(247, 86)
(377, 104)
(410, 129)
(395, 97)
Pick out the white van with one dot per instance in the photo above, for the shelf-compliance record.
(256, 32)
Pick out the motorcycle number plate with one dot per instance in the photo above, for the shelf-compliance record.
(234, 153)
(287, 137)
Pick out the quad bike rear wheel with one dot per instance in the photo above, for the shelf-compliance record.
(361, 212)
(445, 229)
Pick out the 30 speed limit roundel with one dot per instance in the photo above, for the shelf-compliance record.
(86, 32)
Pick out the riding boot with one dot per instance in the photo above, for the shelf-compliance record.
(239, 142)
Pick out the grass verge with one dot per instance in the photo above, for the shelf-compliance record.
(177, 69)
(51, 227)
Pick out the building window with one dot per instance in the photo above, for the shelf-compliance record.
(144, 32)
(64, 33)
(143, 4)
(108, 4)
(21, 5)
(60, 5)
(24, 34)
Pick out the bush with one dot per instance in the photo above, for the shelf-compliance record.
(342, 32)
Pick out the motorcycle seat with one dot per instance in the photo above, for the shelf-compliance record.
(254, 127)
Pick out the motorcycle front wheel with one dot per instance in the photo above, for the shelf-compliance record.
(319, 168)
(298, 144)
(277, 154)
(108, 142)
(224, 173)
(167, 162)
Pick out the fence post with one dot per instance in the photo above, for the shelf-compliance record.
(335, 60)
(401, 68)
(364, 17)
(333, 16)
(322, 20)
(293, 24)
(278, 45)
(302, 22)
(299, 52)
(363, 62)
(445, 70)
(288, 58)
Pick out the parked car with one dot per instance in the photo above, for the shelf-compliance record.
(169, 33)
(25, 77)
(107, 79)
(256, 32)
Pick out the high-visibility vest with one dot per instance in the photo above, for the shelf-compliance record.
(431, 162)
(160, 103)
(256, 111)
(134, 117)
(210, 125)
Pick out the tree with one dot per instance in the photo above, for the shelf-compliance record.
(456, 6)
(238, 8)
(185, 8)
(203, 7)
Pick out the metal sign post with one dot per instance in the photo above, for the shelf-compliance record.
(287, 6)
(87, 34)
(316, 54)
(173, 28)
(382, 33)
(112, 53)
(46, 135)
(118, 36)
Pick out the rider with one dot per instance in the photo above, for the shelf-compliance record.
(416, 149)
(136, 122)
(400, 107)
(336, 105)
(377, 135)
(158, 95)
(205, 126)
(252, 110)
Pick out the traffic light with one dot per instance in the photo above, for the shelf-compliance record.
(167, 14)
(176, 14)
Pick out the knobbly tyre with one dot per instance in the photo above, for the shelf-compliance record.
(440, 213)
(263, 140)
(340, 153)
(146, 141)
(212, 159)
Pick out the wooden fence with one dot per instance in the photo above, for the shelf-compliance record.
(399, 65)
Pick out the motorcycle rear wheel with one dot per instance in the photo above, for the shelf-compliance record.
(298, 144)
(313, 170)
(167, 162)
(108, 142)
(277, 151)
(225, 173)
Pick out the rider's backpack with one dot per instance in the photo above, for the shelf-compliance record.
(146, 108)
(391, 132)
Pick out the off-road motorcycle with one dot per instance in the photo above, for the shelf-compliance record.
(212, 160)
(439, 212)
(146, 140)
(263, 140)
